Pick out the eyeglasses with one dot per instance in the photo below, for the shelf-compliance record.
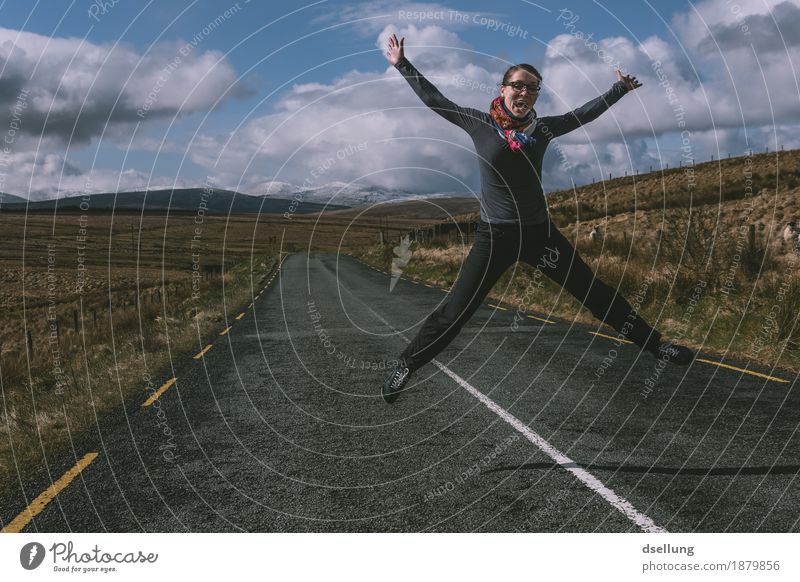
(518, 86)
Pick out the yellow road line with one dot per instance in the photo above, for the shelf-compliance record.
(38, 504)
(225, 331)
(541, 319)
(250, 305)
(611, 337)
(203, 352)
(497, 307)
(155, 395)
(721, 365)
(241, 315)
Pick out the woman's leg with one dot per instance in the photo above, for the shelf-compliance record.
(547, 249)
(491, 254)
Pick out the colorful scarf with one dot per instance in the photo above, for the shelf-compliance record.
(509, 126)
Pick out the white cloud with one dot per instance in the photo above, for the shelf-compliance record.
(702, 19)
(75, 89)
(315, 123)
(49, 175)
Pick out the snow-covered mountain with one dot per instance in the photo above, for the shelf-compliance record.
(354, 195)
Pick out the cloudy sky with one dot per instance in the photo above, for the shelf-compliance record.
(113, 96)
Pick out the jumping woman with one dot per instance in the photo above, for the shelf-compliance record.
(514, 225)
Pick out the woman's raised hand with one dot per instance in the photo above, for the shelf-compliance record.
(630, 82)
(395, 52)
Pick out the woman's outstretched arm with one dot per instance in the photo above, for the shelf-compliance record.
(561, 124)
(464, 117)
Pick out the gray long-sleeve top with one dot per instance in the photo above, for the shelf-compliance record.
(511, 185)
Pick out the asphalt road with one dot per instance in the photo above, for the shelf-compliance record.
(280, 427)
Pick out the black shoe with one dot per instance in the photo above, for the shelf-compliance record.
(675, 353)
(394, 383)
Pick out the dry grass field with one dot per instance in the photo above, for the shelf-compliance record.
(93, 304)
(346, 230)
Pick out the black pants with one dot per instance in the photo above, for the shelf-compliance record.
(542, 246)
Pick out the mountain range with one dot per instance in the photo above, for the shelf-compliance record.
(269, 197)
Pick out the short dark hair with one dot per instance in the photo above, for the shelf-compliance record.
(524, 67)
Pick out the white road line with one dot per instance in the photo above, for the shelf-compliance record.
(619, 503)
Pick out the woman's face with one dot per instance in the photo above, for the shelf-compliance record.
(519, 102)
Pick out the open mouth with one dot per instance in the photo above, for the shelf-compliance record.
(520, 104)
